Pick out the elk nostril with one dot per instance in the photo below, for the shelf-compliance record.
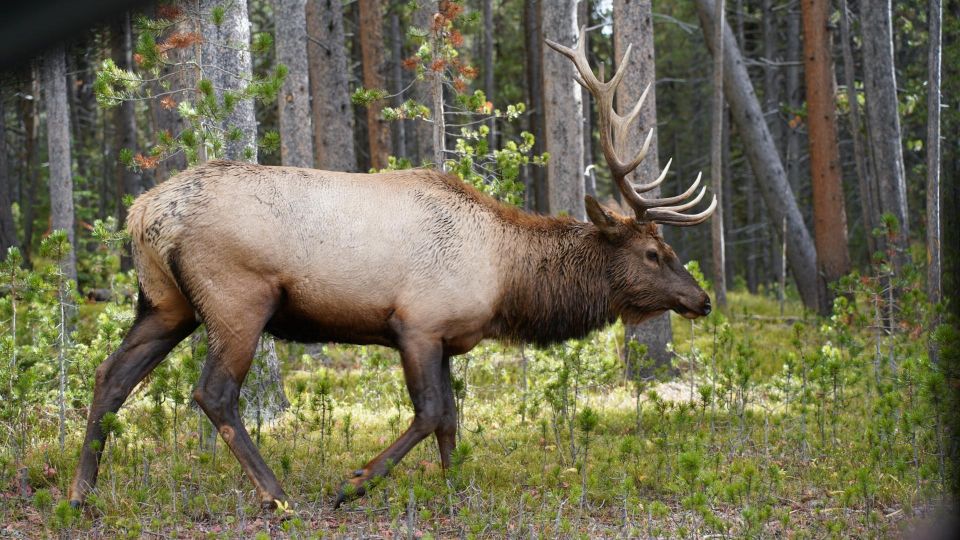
(706, 307)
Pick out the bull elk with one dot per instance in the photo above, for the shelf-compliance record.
(415, 260)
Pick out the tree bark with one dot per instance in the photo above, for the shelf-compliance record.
(371, 47)
(8, 232)
(716, 160)
(563, 112)
(128, 181)
(396, 84)
(58, 152)
(533, 51)
(829, 211)
(763, 158)
(633, 23)
(869, 208)
(794, 100)
(329, 75)
(296, 146)
(590, 179)
(934, 290)
(226, 51)
(488, 45)
(771, 85)
(30, 112)
(422, 19)
(883, 119)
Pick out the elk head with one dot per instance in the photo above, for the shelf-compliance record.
(645, 275)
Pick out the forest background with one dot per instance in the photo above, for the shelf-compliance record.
(836, 238)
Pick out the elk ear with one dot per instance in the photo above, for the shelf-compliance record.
(608, 224)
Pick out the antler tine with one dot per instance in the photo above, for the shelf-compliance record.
(669, 217)
(643, 188)
(666, 201)
(622, 123)
(687, 205)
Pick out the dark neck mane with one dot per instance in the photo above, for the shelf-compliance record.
(556, 287)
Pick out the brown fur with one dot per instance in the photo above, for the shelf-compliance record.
(415, 260)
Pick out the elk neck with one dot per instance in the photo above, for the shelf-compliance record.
(555, 285)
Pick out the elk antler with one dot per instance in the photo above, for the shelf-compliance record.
(613, 137)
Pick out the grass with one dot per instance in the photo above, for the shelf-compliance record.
(755, 453)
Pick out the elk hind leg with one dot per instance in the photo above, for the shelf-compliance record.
(446, 432)
(158, 328)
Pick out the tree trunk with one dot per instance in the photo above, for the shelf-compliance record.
(371, 47)
(396, 84)
(869, 208)
(883, 119)
(226, 50)
(422, 19)
(829, 211)
(716, 160)
(590, 179)
(488, 66)
(633, 23)
(771, 86)
(8, 232)
(296, 146)
(533, 50)
(934, 291)
(794, 100)
(329, 87)
(127, 180)
(563, 112)
(30, 112)
(731, 254)
(763, 158)
(58, 152)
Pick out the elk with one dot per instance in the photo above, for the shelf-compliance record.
(415, 260)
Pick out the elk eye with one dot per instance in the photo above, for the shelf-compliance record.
(653, 256)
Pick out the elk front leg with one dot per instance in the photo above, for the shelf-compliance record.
(422, 368)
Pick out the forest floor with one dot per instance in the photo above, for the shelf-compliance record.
(730, 445)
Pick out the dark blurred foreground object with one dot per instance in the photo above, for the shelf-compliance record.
(27, 28)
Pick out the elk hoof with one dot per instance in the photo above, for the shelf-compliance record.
(75, 504)
(349, 490)
(268, 507)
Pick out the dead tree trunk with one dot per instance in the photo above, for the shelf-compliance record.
(763, 158)
(869, 208)
(8, 232)
(128, 181)
(30, 114)
(716, 161)
(563, 111)
(296, 146)
(58, 152)
(533, 50)
(934, 292)
(633, 23)
(883, 118)
(332, 111)
(829, 211)
(226, 48)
